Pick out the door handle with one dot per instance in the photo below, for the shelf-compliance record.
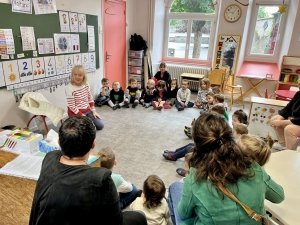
(107, 56)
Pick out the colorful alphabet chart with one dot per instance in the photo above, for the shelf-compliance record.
(22, 6)
(64, 21)
(11, 72)
(73, 21)
(2, 81)
(38, 68)
(82, 22)
(7, 44)
(92, 61)
(77, 59)
(85, 61)
(60, 64)
(28, 38)
(50, 66)
(25, 70)
(69, 63)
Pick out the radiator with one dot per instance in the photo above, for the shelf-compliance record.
(176, 70)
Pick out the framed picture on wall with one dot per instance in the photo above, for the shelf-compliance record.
(227, 52)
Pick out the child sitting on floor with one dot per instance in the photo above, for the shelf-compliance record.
(201, 101)
(162, 94)
(148, 94)
(132, 94)
(116, 96)
(153, 202)
(220, 99)
(183, 97)
(103, 97)
(239, 116)
(238, 130)
(172, 92)
(127, 191)
(185, 171)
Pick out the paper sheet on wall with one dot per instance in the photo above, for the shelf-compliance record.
(73, 21)
(64, 21)
(82, 22)
(2, 81)
(25, 165)
(62, 43)
(7, 44)
(91, 38)
(28, 38)
(45, 45)
(22, 6)
(75, 42)
(44, 6)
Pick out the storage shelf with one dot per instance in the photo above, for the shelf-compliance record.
(288, 83)
(290, 73)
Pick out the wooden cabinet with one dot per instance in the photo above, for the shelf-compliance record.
(289, 72)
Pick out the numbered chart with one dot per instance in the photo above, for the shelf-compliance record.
(25, 69)
(60, 64)
(2, 81)
(38, 68)
(11, 72)
(50, 66)
(77, 59)
(92, 61)
(85, 61)
(69, 63)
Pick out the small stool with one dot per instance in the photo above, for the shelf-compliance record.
(44, 120)
(236, 89)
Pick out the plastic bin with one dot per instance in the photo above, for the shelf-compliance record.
(135, 69)
(136, 54)
(135, 62)
(137, 77)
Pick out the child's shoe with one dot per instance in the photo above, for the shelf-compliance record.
(126, 104)
(159, 107)
(154, 106)
(134, 104)
(114, 107)
(147, 105)
(187, 127)
(167, 106)
(188, 132)
(180, 108)
(118, 106)
(168, 156)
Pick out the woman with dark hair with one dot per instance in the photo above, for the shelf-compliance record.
(218, 161)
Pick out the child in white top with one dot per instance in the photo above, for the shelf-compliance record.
(183, 96)
(103, 97)
(127, 191)
(153, 202)
(201, 102)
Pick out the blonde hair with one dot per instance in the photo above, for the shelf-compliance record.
(75, 69)
(151, 81)
(240, 128)
(107, 158)
(205, 81)
(259, 147)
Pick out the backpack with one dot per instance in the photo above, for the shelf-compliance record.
(137, 43)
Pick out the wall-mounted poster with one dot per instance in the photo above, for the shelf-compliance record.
(82, 22)
(28, 38)
(44, 6)
(45, 45)
(22, 6)
(73, 21)
(7, 44)
(62, 43)
(64, 21)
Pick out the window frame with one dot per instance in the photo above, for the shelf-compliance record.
(190, 17)
(264, 57)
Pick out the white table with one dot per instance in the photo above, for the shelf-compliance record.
(284, 168)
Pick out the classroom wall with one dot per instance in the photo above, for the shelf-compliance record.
(10, 114)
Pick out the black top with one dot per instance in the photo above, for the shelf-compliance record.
(163, 95)
(148, 95)
(74, 195)
(117, 96)
(166, 77)
(173, 93)
(292, 109)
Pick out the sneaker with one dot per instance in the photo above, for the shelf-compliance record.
(278, 146)
(134, 105)
(180, 109)
(114, 107)
(118, 106)
(168, 156)
(126, 104)
(166, 151)
(188, 133)
(147, 105)
(139, 193)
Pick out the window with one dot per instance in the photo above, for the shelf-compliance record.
(264, 35)
(190, 29)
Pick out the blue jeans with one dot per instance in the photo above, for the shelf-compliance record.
(178, 105)
(97, 122)
(102, 100)
(175, 192)
(181, 152)
(127, 198)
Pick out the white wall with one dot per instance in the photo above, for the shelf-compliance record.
(10, 114)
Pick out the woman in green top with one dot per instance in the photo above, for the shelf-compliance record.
(217, 159)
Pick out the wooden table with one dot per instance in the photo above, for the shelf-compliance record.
(261, 111)
(253, 87)
(284, 168)
(286, 94)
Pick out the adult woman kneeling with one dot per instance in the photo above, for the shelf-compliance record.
(217, 160)
(287, 124)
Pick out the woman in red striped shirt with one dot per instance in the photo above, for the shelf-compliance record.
(79, 97)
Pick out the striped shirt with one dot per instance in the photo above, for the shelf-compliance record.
(79, 99)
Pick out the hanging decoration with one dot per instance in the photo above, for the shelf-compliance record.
(282, 8)
(242, 3)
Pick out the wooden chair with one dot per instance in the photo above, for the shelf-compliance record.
(233, 90)
(216, 78)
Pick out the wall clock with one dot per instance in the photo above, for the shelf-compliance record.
(232, 13)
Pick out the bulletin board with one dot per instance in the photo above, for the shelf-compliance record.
(45, 26)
